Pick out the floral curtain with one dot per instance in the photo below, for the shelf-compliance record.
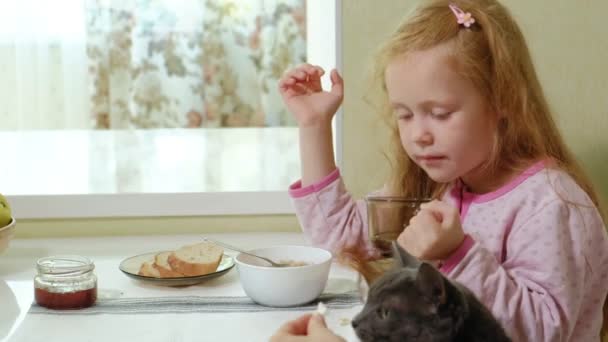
(191, 63)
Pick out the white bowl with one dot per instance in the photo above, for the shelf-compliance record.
(284, 286)
(6, 234)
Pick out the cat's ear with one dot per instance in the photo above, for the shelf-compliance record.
(403, 258)
(431, 283)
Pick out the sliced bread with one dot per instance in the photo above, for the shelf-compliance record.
(163, 267)
(195, 260)
(148, 270)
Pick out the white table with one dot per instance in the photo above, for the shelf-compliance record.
(19, 322)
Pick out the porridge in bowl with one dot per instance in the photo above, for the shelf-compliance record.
(293, 263)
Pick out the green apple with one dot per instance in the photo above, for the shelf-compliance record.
(5, 212)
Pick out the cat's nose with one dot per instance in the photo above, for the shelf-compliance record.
(354, 323)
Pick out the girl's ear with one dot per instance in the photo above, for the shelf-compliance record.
(402, 258)
(431, 284)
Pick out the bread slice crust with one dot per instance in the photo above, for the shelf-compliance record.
(147, 269)
(164, 268)
(195, 260)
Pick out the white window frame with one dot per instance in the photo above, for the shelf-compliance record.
(326, 30)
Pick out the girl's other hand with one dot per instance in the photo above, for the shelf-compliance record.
(310, 327)
(305, 98)
(434, 233)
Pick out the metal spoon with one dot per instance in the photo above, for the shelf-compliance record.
(273, 263)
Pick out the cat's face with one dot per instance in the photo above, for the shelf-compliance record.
(395, 310)
(403, 304)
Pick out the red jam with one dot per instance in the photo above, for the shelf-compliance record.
(68, 300)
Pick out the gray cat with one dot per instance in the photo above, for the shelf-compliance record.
(415, 302)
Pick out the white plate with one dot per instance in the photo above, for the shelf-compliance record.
(130, 267)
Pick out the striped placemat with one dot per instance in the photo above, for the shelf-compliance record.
(195, 304)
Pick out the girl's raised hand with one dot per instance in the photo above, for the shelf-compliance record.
(434, 233)
(305, 98)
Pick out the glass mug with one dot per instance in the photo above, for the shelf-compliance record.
(387, 217)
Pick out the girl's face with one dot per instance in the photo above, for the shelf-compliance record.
(445, 125)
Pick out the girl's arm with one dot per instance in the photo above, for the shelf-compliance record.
(316, 152)
(330, 217)
(552, 276)
(313, 109)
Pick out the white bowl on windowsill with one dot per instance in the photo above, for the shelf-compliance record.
(6, 234)
(284, 286)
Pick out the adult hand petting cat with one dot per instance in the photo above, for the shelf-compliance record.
(434, 233)
(310, 327)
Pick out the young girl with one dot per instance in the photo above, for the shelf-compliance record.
(516, 219)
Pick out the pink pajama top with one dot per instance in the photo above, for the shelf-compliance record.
(535, 251)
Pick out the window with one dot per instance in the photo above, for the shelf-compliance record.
(151, 138)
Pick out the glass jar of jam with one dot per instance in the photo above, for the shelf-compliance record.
(65, 282)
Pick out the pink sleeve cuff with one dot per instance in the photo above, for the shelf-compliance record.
(296, 189)
(453, 260)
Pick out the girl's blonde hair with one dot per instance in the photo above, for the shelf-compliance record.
(494, 56)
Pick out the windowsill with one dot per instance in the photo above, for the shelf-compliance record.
(148, 173)
(150, 204)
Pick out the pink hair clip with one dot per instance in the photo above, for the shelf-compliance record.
(464, 18)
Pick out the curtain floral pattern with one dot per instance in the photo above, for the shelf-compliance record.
(194, 63)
